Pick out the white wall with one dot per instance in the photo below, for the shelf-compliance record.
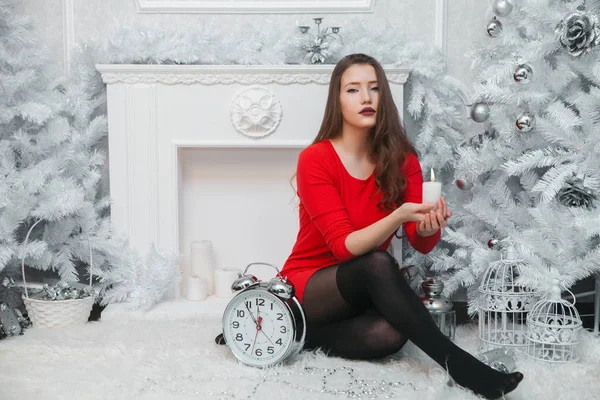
(65, 22)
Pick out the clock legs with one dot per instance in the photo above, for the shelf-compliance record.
(220, 339)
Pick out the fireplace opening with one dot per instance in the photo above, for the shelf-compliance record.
(242, 201)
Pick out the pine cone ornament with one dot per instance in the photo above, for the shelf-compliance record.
(574, 194)
(579, 32)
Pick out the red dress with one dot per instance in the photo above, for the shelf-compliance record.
(334, 204)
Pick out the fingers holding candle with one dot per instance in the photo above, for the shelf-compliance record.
(433, 221)
(434, 218)
(443, 212)
(441, 215)
(429, 225)
(425, 228)
(447, 213)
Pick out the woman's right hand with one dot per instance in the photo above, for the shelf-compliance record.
(413, 212)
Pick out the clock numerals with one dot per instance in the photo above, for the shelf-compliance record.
(260, 329)
(259, 303)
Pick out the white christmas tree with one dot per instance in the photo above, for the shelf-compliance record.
(50, 170)
(49, 166)
(530, 175)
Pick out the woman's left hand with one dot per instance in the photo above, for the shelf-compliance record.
(435, 219)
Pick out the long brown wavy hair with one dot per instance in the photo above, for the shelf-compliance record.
(388, 143)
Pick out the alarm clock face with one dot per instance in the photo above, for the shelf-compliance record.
(258, 328)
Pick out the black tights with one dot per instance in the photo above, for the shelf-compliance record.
(364, 308)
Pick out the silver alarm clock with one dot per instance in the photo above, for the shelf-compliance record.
(264, 323)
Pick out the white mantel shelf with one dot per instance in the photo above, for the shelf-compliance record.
(228, 74)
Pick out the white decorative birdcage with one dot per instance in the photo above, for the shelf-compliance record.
(553, 328)
(504, 304)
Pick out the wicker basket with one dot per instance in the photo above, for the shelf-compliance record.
(56, 313)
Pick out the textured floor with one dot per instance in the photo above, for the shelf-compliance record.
(173, 356)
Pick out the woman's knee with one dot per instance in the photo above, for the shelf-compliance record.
(382, 262)
(383, 339)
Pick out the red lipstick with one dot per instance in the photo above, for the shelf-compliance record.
(367, 111)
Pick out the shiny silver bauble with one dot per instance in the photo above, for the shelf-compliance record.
(502, 7)
(523, 73)
(493, 244)
(463, 184)
(480, 112)
(494, 28)
(525, 122)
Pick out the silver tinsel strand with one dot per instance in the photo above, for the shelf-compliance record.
(355, 388)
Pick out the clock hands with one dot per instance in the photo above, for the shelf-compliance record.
(257, 330)
(258, 326)
(258, 323)
(268, 338)
(250, 312)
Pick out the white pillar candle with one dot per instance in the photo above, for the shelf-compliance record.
(195, 289)
(223, 280)
(432, 191)
(202, 264)
(176, 287)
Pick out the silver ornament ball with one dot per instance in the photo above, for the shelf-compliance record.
(523, 73)
(494, 28)
(502, 7)
(493, 243)
(463, 184)
(525, 122)
(480, 112)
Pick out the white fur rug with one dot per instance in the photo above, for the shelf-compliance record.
(135, 357)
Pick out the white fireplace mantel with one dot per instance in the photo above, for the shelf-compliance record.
(154, 111)
(228, 74)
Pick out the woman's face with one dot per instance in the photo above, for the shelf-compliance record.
(359, 96)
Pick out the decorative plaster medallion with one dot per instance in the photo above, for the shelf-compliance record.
(255, 112)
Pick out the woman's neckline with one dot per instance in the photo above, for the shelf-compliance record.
(368, 178)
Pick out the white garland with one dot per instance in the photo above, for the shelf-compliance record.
(434, 101)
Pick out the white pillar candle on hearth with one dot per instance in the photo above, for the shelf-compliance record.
(432, 191)
(223, 280)
(176, 286)
(195, 289)
(202, 263)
